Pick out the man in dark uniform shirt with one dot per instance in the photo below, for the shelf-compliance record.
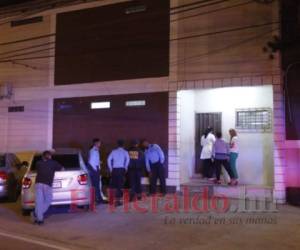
(135, 170)
(45, 171)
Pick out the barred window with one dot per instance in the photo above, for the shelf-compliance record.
(254, 120)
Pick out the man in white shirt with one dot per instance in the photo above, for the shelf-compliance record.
(118, 161)
(94, 169)
(207, 142)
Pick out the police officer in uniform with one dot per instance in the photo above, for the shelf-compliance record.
(118, 161)
(135, 170)
(155, 158)
(94, 169)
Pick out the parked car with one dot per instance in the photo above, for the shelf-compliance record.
(71, 186)
(11, 175)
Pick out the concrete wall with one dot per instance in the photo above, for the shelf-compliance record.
(212, 51)
(27, 130)
(255, 162)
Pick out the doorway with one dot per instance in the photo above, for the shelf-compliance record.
(202, 122)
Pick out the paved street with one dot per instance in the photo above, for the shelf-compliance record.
(105, 230)
(19, 244)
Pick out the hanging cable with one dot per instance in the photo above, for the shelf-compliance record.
(197, 7)
(225, 31)
(176, 39)
(26, 48)
(28, 39)
(27, 53)
(233, 45)
(191, 4)
(48, 6)
(212, 11)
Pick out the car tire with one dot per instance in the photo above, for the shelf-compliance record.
(26, 212)
(84, 207)
(13, 196)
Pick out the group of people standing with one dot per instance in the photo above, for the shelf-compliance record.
(216, 152)
(132, 161)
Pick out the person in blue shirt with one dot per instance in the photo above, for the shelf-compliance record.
(94, 163)
(154, 159)
(220, 155)
(118, 161)
(135, 169)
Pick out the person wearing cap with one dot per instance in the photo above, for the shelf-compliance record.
(118, 161)
(135, 169)
(154, 159)
(45, 171)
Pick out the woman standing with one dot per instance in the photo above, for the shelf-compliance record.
(221, 153)
(234, 153)
(207, 142)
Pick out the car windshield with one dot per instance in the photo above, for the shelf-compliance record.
(2, 161)
(68, 161)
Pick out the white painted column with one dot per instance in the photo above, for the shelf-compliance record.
(279, 141)
(173, 153)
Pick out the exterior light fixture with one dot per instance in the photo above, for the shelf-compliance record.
(136, 103)
(100, 105)
(135, 9)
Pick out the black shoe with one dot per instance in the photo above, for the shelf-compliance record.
(132, 198)
(40, 223)
(104, 202)
(118, 204)
(98, 202)
(33, 217)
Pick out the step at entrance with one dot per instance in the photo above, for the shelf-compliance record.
(250, 192)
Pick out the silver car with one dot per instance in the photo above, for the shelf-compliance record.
(11, 174)
(71, 186)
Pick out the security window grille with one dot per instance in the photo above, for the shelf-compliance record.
(254, 120)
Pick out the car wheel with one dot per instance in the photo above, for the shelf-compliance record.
(84, 207)
(26, 212)
(13, 196)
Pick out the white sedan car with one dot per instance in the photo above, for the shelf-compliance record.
(71, 186)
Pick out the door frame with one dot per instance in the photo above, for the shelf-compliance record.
(197, 140)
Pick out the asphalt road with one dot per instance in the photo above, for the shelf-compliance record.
(104, 229)
(13, 242)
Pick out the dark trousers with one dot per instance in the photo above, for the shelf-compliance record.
(208, 168)
(117, 181)
(157, 172)
(218, 165)
(95, 179)
(135, 176)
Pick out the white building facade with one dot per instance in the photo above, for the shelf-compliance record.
(212, 73)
